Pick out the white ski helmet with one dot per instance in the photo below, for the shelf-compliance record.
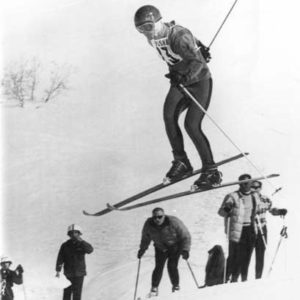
(5, 259)
(74, 227)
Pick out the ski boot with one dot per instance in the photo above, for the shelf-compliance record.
(208, 178)
(179, 169)
(153, 292)
(175, 288)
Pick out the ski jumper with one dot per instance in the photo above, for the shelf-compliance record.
(178, 48)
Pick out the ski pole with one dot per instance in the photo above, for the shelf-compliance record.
(276, 191)
(261, 231)
(3, 287)
(187, 92)
(24, 289)
(223, 23)
(283, 234)
(194, 277)
(225, 261)
(137, 279)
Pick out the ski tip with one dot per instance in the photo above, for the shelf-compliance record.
(274, 175)
(111, 207)
(85, 213)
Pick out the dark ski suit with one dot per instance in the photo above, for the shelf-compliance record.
(181, 51)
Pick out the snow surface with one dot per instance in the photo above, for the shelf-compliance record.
(104, 140)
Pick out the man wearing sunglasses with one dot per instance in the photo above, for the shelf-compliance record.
(71, 256)
(171, 239)
(261, 238)
(239, 210)
(186, 58)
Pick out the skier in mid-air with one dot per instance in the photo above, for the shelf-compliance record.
(187, 66)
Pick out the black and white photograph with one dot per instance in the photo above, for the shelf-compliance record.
(149, 149)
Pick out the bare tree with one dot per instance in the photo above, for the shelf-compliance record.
(14, 84)
(58, 82)
(32, 75)
(29, 82)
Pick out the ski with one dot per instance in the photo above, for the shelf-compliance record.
(187, 193)
(159, 187)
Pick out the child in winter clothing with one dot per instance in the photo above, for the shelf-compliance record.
(8, 277)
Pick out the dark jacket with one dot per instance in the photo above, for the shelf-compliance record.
(214, 269)
(71, 256)
(171, 233)
(180, 50)
(8, 278)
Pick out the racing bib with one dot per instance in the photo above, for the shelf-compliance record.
(165, 52)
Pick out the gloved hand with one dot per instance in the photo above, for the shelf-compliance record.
(20, 269)
(282, 211)
(185, 254)
(205, 53)
(279, 212)
(140, 253)
(227, 209)
(176, 78)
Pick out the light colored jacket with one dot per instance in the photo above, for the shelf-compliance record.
(265, 205)
(232, 209)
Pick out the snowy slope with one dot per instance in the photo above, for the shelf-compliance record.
(105, 140)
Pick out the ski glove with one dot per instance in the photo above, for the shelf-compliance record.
(282, 212)
(20, 269)
(176, 78)
(227, 209)
(205, 53)
(140, 253)
(185, 254)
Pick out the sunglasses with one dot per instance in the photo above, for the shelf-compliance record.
(158, 217)
(256, 187)
(147, 27)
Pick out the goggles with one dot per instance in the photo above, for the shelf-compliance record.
(157, 217)
(255, 187)
(146, 27)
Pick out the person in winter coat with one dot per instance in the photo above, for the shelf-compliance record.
(71, 256)
(262, 236)
(8, 277)
(171, 239)
(239, 210)
(186, 58)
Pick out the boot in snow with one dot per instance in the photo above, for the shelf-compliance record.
(175, 288)
(153, 292)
